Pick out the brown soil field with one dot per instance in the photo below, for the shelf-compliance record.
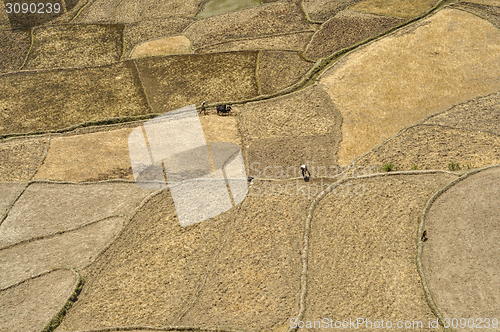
(435, 147)
(274, 18)
(4, 18)
(221, 128)
(175, 81)
(131, 11)
(484, 2)
(362, 247)
(20, 158)
(31, 305)
(75, 46)
(9, 192)
(490, 13)
(278, 70)
(322, 10)
(74, 249)
(15, 46)
(395, 79)
(307, 112)
(46, 209)
(88, 157)
(158, 272)
(346, 29)
(135, 33)
(481, 114)
(399, 8)
(460, 259)
(163, 46)
(285, 42)
(55, 99)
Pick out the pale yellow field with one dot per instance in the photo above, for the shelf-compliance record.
(163, 46)
(400, 8)
(401, 79)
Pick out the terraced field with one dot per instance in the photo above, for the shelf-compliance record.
(394, 106)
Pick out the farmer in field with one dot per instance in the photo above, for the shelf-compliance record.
(305, 172)
(203, 109)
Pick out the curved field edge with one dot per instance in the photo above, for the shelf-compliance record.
(307, 229)
(420, 243)
(309, 78)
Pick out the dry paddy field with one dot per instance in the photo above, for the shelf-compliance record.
(20, 158)
(362, 249)
(15, 46)
(322, 10)
(398, 8)
(425, 68)
(159, 274)
(75, 46)
(461, 257)
(346, 29)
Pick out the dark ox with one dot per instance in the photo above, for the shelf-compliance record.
(223, 109)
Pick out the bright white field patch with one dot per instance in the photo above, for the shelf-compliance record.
(45, 208)
(30, 305)
(401, 79)
(73, 249)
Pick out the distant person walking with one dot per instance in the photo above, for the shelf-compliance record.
(203, 109)
(305, 172)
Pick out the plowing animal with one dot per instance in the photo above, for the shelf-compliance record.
(223, 109)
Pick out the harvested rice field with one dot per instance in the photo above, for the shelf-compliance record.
(162, 46)
(396, 85)
(87, 157)
(251, 253)
(21, 157)
(172, 82)
(322, 10)
(278, 70)
(436, 147)
(370, 271)
(15, 46)
(75, 46)
(274, 18)
(346, 29)
(56, 99)
(46, 209)
(285, 42)
(398, 8)
(31, 305)
(240, 238)
(461, 255)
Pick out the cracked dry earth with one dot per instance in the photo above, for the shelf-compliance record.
(84, 248)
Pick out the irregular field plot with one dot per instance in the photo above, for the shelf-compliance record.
(15, 46)
(49, 100)
(31, 305)
(20, 158)
(346, 29)
(460, 259)
(484, 2)
(176, 81)
(481, 114)
(157, 262)
(491, 13)
(275, 18)
(73, 249)
(322, 10)
(8, 192)
(286, 42)
(278, 70)
(75, 46)
(135, 33)
(362, 250)
(98, 12)
(45, 209)
(435, 147)
(307, 112)
(220, 128)
(88, 157)
(163, 46)
(395, 79)
(400, 8)
(218, 7)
